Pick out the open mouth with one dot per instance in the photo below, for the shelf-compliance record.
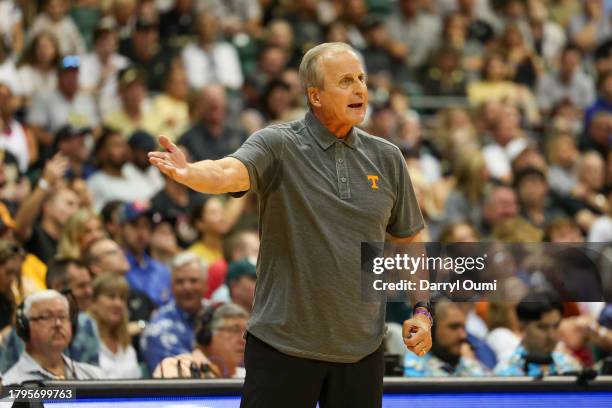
(355, 105)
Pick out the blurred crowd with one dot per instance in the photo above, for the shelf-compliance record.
(502, 109)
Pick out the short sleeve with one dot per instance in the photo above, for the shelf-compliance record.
(406, 219)
(261, 154)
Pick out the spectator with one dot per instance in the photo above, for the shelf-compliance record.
(450, 354)
(597, 135)
(563, 230)
(72, 143)
(545, 36)
(110, 218)
(458, 232)
(455, 36)
(384, 57)
(57, 203)
(164, 243)
(116, 179)
(37, 67)
(11, 25)
(523, 63)
(240, 284)
(15, 139)
(590, 27)
(100, 67)
(212, 136)
(591, 182)
(219, 347)
(504, 329)
(45, 326)
(604, 99)
(239, 16)
(238, 246)
(538, 205)
(213, 219)
(445, 76)
(171, 106)
(539, 353)
(141, 143)
(147, 54)
(11, 258)
(276, 106)
(570, 81)
(136, 112)
(109, 310)
(500, 204)
(177, 26)
(171, 329)
(412, 25)
(56, 20)
(146, 274)
(67, 105)
(105, 256)
(563, 157)
(210, 60)
(81, 229)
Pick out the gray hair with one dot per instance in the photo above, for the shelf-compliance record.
(43, 296)
(310, 70)
(187, 257)
(225, 311)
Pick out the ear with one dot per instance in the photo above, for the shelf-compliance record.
(313, 97)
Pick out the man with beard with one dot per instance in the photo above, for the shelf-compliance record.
(115, 180)
(44, 324)
(451, 354)
(171, 329)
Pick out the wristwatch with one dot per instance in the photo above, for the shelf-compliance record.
(423, 308)
(43, 184)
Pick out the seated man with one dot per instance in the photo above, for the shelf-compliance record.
(450, 354)
(170, 331)
(219, 347)
(538, 354)
(45, 325)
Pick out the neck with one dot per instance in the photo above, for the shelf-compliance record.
(132, 111)
(107, 337)
(340, 130)
(113, 170)
(52, 362)
(213, 241)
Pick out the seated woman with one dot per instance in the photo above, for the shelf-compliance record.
(109, 310)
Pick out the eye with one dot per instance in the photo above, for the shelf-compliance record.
(346, 81)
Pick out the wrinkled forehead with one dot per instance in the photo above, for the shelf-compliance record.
(49, 306)
(338, 63)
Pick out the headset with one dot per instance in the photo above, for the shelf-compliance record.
(204, 333)
(22, 322)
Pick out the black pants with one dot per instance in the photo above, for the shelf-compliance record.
(277, 380)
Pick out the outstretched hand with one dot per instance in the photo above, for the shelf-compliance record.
(172, 162)
(417, 334)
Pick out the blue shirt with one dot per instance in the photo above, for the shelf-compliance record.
(515, 365)
(151, 277)
(169, 333)
(431, 366)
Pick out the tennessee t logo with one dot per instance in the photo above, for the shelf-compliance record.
(373, 179)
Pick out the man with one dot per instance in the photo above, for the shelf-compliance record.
(240, 284)
(539, 205)
(538, 354)
(46, 329)
(170, 331)
(116, 180)
(71, 143)
(212, 137)
(15, 137)
(140, 143)
(219, 347)
(309, 325)
(72, 274)
(500, 204)
(145, 274)
(55, 201)
(451, 355)
(67, 105)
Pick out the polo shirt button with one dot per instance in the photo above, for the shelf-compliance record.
(343, 179)
(340, 161)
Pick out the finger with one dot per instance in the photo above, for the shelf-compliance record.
(416, 338)
(158, 155)
(408, 328)
(167, 144)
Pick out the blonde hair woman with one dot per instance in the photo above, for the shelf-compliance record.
(82, 229)
(109, 310)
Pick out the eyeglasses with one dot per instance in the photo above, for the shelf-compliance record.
(234, 330)
(50, 318)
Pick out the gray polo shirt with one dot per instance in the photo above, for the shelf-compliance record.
(27, 369)
(319, 198)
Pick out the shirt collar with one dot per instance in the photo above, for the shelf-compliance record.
(31, 366)
(324, 137)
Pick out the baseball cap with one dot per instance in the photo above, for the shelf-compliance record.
(141, 140)
(69, 62)
(146, 23)
(238, 269)
(69, 132)
(130, 212)
(127, 76)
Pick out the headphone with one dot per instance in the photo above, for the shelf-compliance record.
(22, 322)
(204, 332)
